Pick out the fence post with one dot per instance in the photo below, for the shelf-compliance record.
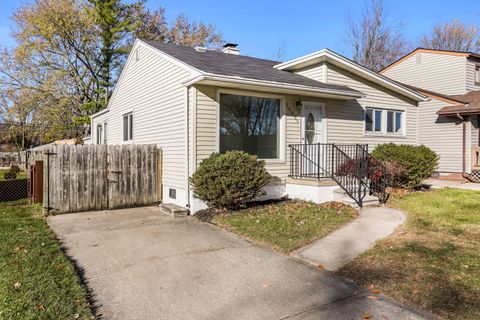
(159, 175)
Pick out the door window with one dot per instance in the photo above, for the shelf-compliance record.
(310, 128)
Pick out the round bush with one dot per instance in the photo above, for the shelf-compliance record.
(229, 180)
(409, 165)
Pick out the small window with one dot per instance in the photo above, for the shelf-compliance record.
(378, 120)
(105, 133)
(394, 121)
(99, 133)
(369, 120)
(477, 74)
(383, 121)
(127, 127)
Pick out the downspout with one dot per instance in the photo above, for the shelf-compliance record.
(188, 145)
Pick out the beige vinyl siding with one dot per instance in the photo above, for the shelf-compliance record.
(152, 89)
(442, 134)
(345, 119)
(319, 72)
(207, 126)
(470, 76)
(441, 73)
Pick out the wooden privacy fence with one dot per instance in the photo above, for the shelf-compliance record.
(98, 177)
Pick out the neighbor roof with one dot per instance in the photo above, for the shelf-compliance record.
(239, 66)
(436, 51)
(471, 106)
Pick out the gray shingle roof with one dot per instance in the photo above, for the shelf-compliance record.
(224, 64)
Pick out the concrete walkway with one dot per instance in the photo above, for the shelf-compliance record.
(141, 264)
(343, 245)
(438, 183)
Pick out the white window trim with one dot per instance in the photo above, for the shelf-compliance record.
(128, 141)
(384, 132)
(282, 128)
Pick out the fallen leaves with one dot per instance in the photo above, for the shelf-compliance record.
(366, 315)
(373, 289)
(321, 266)
(372, 298)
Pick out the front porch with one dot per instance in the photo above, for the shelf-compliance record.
(324, 166)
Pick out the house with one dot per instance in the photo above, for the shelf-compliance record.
(304, 117)
(449, 122)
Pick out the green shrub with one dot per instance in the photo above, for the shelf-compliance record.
(229, 180)
(10, 175)
(410, 165)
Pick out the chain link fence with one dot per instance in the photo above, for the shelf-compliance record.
(13, 186)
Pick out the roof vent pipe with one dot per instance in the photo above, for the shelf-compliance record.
(200, 49)
(231, 48)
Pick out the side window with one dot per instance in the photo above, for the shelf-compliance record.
(105, 133)
(99, 133)
(383, 121)
(127, 126)
(477, 74)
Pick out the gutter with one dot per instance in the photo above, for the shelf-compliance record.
(272, 84)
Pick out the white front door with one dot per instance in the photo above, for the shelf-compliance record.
(313, 152)
(312, 123)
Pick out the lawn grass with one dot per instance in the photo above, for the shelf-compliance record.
(37, 281)
(20, 175)
(288, 225)
(433, 261)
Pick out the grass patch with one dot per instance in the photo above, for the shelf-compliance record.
(288, 225)
(433, 261)
(37, 279)
(20, 175)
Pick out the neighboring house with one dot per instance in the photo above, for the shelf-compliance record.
(193, 102)
(449, 122)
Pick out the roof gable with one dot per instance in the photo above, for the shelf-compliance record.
(471, 55)
(334, 58)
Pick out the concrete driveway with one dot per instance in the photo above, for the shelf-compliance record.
(141, 264)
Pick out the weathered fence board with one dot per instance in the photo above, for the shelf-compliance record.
(99, 177)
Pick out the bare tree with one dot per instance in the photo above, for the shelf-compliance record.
(454, 36)
(375, 42)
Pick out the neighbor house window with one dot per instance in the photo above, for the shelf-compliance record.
(99, 133)
(250, 124)
(127, 127)
(383, 121)
(477, 74)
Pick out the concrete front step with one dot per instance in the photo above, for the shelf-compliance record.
(173, 210)
(366, 202)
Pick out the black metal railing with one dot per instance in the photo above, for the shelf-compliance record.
(350, 166)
